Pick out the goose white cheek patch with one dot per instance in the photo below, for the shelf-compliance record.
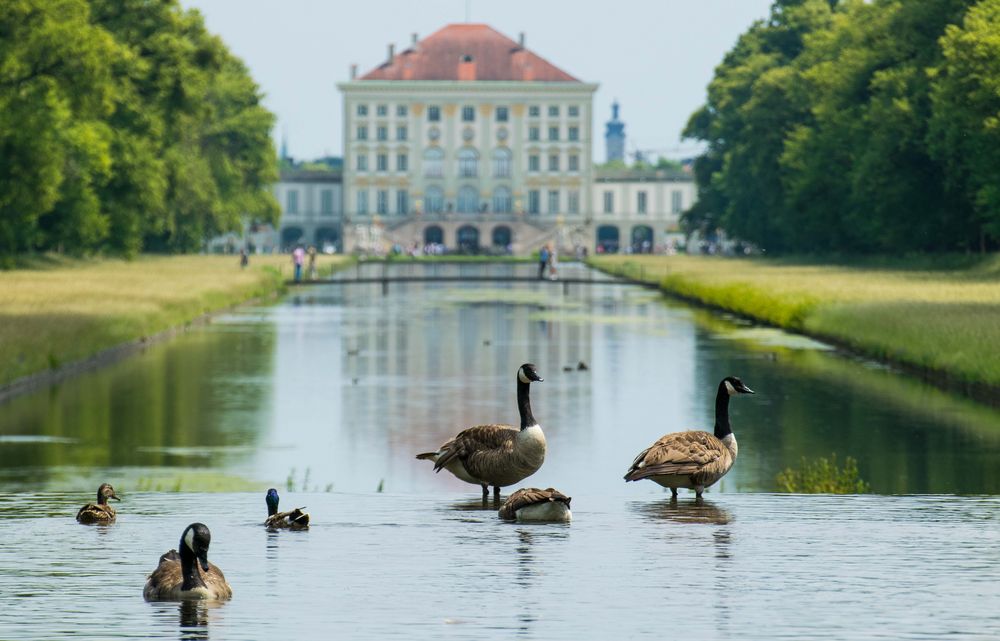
(521, 377)
(730, 388)
(189, 539)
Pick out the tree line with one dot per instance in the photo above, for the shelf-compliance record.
(125, 126)
(856, 126)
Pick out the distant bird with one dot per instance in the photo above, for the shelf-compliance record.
(353, 352)
(178, 575)
(568, 368)
(295, 519)
(695, 459)
(582, 366)
(496, 454)
(533, 504)
(487, 343)
(102, 512)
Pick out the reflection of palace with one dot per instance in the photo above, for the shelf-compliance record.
(469, 139)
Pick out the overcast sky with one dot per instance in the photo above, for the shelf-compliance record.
(655, 56)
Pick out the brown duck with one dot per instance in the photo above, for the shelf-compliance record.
(533, 504)
(696, 459)
(188, 574)
(101, 512)
(295, 519)
(497, 455)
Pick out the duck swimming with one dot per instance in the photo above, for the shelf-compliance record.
(295, 519)
(101, 512)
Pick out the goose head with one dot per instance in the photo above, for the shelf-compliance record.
(272, 501)
(106, 492)
(195, 542)
(528, 374)
(735, 386)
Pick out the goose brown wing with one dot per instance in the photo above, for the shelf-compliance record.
(475, 442)
(529, 496)
(680, 453)
(167, 572)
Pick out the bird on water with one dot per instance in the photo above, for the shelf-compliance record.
(187, 574)
(101, 512)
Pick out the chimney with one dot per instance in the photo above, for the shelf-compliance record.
(520, 40)
(392, 52)
(354, 71)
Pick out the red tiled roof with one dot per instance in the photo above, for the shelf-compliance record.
(468, 52)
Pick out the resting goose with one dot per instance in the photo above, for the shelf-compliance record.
(533, 504)
(497, 455)
(101, 512)
(295, 519)
(179, 577)
(696, 459)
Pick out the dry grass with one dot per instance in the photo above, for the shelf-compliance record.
(945, 320)
(61, 311)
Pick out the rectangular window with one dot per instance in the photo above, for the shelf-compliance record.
(676, 205)
(402, 162)
(381, 110)
(362, 163)
(574, 163)
(362, 201)
(468, 114)
(382, 162)
(573, 204)
(401, 133)
(434, 114)
(534, 133)
(382, 204)
(553, 201)
(326, 202)
(293, 201)
(402, 202)
(553, 133)
(534, 111)
(553, 111)
(502, 114)
(534, 163)
(362, 132)
(362, 110)
(574, 133)
(574, 111)
(401, 111)
(534, 201)
(609, 202)
(382, 132)
(553, 162)
(640, 204)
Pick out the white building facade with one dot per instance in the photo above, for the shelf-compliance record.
(311, 209)
(639, 210)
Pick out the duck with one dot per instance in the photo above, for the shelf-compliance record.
(295, 519)
(178, 575)
(496, 454)
(694, 459)
(101, 512)
(532, 504)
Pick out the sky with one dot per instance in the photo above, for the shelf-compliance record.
(656, 57)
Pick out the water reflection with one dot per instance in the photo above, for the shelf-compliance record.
(696, 510)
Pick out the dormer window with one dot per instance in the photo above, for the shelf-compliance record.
(466, 58)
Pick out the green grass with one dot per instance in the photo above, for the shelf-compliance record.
(938, 315)
(823, 476)
(450, 258)
(56, 311)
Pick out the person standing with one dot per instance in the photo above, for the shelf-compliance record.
(244, 258)
(312, 262)
(543, 261)
(553, 261)
(298, 257)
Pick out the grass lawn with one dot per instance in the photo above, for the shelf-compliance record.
(941, 317)
(57, 311)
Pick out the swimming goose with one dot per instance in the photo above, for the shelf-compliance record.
(178, 576)
(102, 512)
(696, 459)
(497, 455)
(533, 504)
(296, 519)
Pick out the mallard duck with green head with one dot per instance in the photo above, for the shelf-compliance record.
(295, 519)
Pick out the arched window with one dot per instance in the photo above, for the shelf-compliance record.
(607, 239)
(434, 200)
(468, 163)
(468, 200)
(502, 236)
(502, 200)
(433, 234)
(433, 162)
(468, 239)
(501, 162)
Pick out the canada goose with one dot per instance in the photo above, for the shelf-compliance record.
(581, 366)
(695, 459)
(296, 519)
(533, 504)
(102, 512)
(497, 455)
(178, 576)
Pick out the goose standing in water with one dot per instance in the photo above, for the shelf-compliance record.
(295, 520)
(101, 512)
(533, 504)
(178, 576)
(695, 459)
(497, 455)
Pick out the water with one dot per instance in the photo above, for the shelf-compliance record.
(329, 394)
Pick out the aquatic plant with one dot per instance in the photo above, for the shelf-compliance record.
(823, 476)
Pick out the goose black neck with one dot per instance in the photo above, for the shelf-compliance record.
(189, 570)
(722, 428)
(524, 405)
